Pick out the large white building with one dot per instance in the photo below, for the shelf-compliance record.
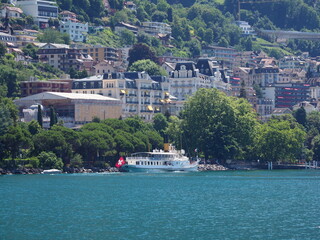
(188, 77)
(40, 10)
(140, 94)
(71, 25)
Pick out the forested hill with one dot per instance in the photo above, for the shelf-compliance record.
(285, 14)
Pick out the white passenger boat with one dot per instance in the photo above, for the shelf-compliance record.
(159, 160)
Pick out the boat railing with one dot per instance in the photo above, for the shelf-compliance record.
(151, 158)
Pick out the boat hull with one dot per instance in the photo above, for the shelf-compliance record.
(129, 168)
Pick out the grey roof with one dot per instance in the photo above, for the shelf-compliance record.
(92, 78)
(205, 66)
(60, 95)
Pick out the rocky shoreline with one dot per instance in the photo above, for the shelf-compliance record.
(65, 170)
(201, 168)
(211, 167)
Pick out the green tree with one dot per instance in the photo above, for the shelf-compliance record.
(123, 145)
(127, 37)
(31, 51)
(65, 4)
(170, 14)
(5, 117)
(3, 50)
(76, 161)
(223, 42)
(49, 160)
(53, 36)
(141, 51)
(52, 141)
(208, 124)
(95, 143)
(39, 116)
(243, 93)
(34, 127)
(208, 36)
(174, 131)
(148, 66)
(160, 123)
(301, 116)
(159, 16)
(53, 117)
(279, 140)
(15, 139)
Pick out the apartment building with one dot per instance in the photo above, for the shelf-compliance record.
(292, 62)
(71, 25)
(54, 85)
(40, 10)
(264, 76)
(155, 28)
(228, 56)
(26, 36)
(100, 53)
(60, 56)
(288, 95)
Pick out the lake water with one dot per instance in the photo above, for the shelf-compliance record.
(201, 205)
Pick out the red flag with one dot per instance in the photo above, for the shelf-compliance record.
(120, 162)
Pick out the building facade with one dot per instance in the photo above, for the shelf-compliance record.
(11, 12)
(264, 76)
(55, 85)
(228, 56)
(100, 53)
(40, 10)
(140, 95)
(288, 95)
(61, 56)
(72, 109)
(155, 28)
(76, 29)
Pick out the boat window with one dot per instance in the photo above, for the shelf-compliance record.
(137, 163)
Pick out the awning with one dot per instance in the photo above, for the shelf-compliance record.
(150, 108)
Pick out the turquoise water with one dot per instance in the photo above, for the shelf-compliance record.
(202, 205)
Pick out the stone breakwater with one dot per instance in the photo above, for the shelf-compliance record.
(211, 167)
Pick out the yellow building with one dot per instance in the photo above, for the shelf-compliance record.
(100, 53)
